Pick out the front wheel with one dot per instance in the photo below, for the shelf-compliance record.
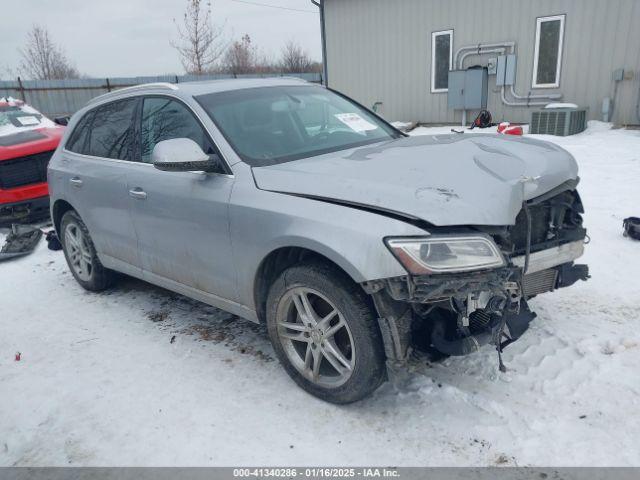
(325, 333)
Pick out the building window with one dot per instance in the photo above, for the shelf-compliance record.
(547, 56)
(441, 58)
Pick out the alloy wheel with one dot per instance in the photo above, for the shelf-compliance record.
(78, 252)
(315, 337)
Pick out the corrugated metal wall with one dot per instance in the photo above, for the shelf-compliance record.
(64, 97)
(380, 51)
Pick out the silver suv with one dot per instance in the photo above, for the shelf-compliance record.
(287, 203)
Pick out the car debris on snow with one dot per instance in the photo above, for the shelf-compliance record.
(632, 227)
(22, 240)
(53, 243)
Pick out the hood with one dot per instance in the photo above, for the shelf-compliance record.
(29, 142)
(470, 179)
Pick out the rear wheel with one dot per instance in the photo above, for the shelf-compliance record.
(325, 333)
(81, 254)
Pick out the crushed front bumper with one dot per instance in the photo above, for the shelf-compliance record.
(500, 295)
(547, 270)
(551, 257)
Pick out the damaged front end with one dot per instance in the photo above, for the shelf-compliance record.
(469, 287)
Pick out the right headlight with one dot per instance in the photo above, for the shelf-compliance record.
(441, 254)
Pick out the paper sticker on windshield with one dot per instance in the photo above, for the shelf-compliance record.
(355, 122)
(26, 121)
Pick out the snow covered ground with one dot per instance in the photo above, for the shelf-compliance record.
(141, 376)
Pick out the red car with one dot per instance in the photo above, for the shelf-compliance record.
(27, 141)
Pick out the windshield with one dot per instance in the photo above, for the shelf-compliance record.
(271, 125)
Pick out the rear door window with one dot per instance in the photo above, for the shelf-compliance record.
(112, 130)
(164, 119)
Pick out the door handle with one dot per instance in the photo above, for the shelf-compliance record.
(76, 182)
(138, 193)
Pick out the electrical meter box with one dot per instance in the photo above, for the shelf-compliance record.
(468, 89)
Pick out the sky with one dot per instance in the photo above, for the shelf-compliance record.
(131, 37)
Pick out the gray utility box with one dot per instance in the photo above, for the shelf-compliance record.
(467, 89)
(506, 70)
(558, 121)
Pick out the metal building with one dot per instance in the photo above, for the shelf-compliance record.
(396, 54)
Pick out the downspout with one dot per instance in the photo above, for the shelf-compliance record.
(325, 76)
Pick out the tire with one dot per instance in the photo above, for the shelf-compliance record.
(84, 263)
(351, 360)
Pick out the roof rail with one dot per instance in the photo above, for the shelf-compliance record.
(142, 86)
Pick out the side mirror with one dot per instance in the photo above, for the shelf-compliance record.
(64, 121)
(183, 155)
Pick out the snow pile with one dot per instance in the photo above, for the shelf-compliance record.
(141, 376)
(404, 126)
(551, 106)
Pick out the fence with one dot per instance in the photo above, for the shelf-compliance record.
(57, 98)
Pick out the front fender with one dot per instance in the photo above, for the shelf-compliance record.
(346, 257)
(261, 222)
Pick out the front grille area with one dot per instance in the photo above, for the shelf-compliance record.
(23, 171)
(540, 218)
(554, 221)
(539, 282)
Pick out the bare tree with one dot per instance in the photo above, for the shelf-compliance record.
(264, 63)
(42, 59)
(7, 72)
(241, 57)
(316, 67)
(201, 43)
(293, 59)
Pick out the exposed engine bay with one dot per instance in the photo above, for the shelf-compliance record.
(457, 313)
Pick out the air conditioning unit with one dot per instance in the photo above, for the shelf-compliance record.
(561, 121)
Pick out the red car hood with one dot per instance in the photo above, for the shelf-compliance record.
(29, 142)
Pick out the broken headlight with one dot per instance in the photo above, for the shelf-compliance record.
(441, 254)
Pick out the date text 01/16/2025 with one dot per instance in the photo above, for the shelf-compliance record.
(316, 472)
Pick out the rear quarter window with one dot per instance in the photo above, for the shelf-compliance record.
(78, 137)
